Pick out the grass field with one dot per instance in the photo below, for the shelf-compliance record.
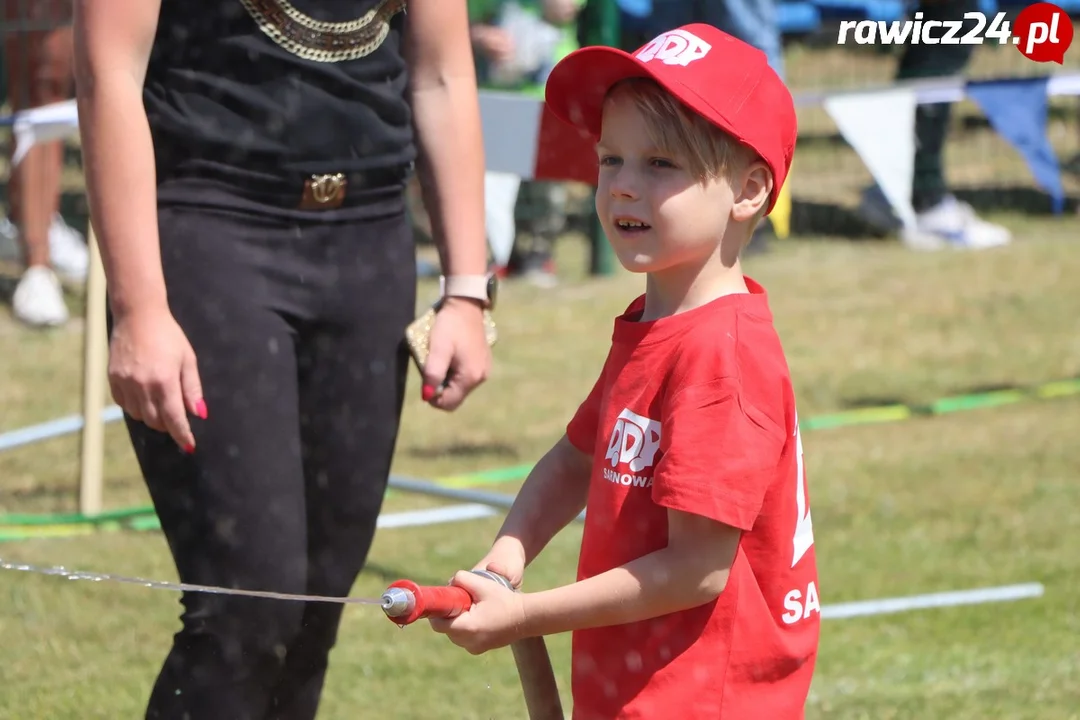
(973, 499)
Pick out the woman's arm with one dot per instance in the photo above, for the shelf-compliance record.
(153, 373)
(112, 46)
(446, 111)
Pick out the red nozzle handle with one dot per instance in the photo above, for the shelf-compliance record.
(445, 601)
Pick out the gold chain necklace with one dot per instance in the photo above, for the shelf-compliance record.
(322, 41)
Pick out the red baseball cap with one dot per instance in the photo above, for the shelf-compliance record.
(721, 78)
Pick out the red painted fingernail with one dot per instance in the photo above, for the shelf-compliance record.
(189, 449)
(200, 409)
(427, 392)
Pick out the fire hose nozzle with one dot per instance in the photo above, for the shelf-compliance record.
(405, 602)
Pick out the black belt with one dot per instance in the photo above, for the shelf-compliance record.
(303, 191)
(328, 191)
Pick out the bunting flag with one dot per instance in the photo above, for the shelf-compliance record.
(523, 137)
(1017, 110)
(58, 121)
(880, 126)
(511, 126)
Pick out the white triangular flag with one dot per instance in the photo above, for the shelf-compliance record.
(880, 126)
(511, 128)
(57, 121)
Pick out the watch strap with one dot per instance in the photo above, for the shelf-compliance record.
(474, 287)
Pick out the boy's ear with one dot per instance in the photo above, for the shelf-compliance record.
(752, 194)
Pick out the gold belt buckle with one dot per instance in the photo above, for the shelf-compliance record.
(324, 192)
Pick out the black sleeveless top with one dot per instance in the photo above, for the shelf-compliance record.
(329, 96)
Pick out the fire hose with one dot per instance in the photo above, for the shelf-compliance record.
(405, 602)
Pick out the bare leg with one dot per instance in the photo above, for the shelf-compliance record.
(39, 65)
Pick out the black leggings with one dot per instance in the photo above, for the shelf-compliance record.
(297, 325)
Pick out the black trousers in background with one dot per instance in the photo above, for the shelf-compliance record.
(932, 121)
(297, 324)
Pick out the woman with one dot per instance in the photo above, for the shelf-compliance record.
(246, 163)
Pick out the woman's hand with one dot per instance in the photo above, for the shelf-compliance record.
(459, 358)
(153, 374)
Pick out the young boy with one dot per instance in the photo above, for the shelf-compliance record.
(697, 584)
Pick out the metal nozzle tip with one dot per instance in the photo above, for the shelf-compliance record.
(397, 602)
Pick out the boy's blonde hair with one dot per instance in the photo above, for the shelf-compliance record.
(708, 152)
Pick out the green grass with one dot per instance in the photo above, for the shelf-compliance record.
(972, 499)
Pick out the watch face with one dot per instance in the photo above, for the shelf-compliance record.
(492, 289)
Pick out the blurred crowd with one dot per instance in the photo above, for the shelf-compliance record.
(516, 42)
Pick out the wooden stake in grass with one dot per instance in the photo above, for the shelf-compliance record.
(95, 363)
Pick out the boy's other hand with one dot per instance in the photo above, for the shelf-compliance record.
(507, 558)
(496, 618)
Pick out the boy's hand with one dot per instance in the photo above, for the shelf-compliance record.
(507, 558)
(496, 618)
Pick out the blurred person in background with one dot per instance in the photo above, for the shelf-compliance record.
(517, 42)
(941, 219)
(246, 164)
(37, 61)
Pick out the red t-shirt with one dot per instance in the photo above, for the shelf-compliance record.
(696, 412)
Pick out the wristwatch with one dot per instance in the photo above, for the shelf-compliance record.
(483, 288)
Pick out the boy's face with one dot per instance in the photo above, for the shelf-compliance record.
(656, 214)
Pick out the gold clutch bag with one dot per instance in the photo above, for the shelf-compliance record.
(418, 335)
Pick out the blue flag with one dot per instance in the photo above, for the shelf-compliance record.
(1017, 109)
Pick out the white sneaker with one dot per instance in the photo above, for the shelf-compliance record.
(958, 226)
(950, 223)
(39, 299)
(68, 252)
